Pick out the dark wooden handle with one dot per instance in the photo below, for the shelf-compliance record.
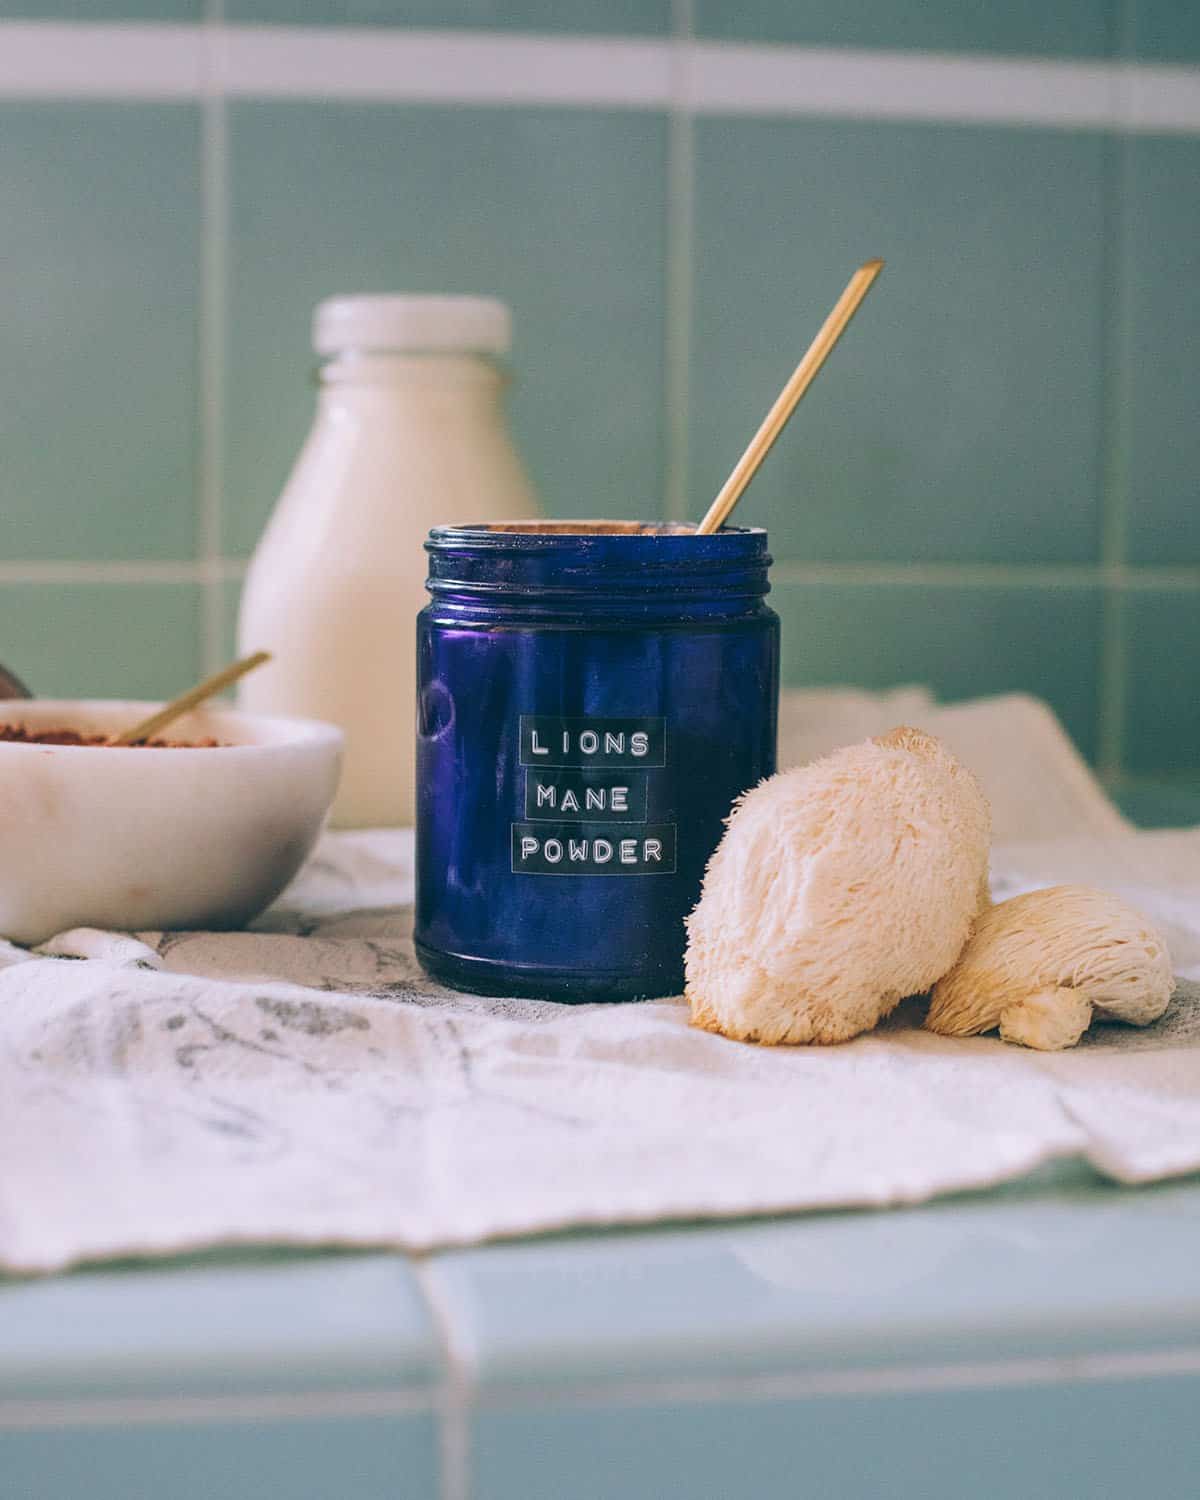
(12, 687)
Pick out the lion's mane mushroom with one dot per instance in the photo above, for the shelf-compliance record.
(839, 888)
(1039, 966)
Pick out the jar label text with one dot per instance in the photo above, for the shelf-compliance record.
(583, 796)
(593, 849)
(547, 740)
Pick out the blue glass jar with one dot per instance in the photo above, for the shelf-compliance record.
(592, 697)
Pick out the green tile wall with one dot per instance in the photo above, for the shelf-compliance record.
(1162, 699)
(101, 640)
(1103, 1439)
(1164, 30)
(964, 641)
(559, 212)
(354, 1459)
(1162, 388)
(99, 250)
(993, 485)
(961, 419)
(230, 602)
(1065, 28)
(103, 10)
(601, 16)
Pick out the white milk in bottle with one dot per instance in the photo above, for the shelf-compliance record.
(409, 433)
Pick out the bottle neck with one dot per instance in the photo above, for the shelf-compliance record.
(470, 384)
(353, 369)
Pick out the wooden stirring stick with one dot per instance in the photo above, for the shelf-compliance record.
(177, 706)
(802, 377)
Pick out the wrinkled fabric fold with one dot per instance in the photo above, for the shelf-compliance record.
(304, 1083)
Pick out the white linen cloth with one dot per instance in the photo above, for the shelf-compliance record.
(305, 1083)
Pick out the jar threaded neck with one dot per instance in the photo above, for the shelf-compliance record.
(576, 572)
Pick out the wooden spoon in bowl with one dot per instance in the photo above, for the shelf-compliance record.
(159, 720)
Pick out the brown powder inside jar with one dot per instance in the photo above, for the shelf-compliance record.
(17, 734)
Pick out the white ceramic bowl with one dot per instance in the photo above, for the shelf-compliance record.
(146, 839)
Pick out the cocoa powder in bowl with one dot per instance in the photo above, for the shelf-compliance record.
(17, 734)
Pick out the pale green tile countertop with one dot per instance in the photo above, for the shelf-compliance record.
(1040, 1340)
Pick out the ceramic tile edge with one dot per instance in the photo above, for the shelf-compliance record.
(1124, 577)
(1114, 454)
(717, 1371)
(453, 1396)
(733, 78)
(224, 569)
(1048, 1370)
(1118, 577)
(214, 279)
(179, 61)
(120, 1411)
(1157, 97)
(475, 1388)
(80, 60)
(466, 67)
(1111, 678)
(680, 242)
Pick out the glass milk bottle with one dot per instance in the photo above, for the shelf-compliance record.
(409, 434)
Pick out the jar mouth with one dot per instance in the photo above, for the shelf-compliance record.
(564, 570)
(499, 532)
(586, 528)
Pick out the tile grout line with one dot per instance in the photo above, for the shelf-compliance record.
(54, 573)
(680, 232)
(42, 1413)
(1123, 576)
(784, 1385)
(454, 1395)
(938, 575)
(1116, 577)
(173, 61)
(213, 298)
(1114, 448)
(789, 1385)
